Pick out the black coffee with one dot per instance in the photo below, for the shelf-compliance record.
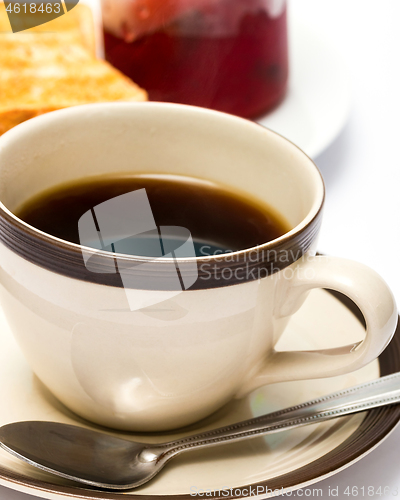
(219, 220)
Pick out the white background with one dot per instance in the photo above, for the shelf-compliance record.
(362, 174)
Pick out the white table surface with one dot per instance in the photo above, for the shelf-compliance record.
(362, 174)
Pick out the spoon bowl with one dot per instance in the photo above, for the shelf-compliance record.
(69, 451)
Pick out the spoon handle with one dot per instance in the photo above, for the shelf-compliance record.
(381, 392)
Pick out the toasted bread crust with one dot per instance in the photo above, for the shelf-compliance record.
(42, 71)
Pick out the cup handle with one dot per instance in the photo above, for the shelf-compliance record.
(364, 287)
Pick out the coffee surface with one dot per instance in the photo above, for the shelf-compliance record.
(219, 220)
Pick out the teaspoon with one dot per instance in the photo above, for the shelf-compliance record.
(98, 459)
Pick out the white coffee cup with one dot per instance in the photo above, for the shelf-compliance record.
(156, 368)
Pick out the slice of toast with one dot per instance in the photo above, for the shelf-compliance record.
(78, 24)
(41, 71)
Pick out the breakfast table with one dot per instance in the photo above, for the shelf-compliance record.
(361, 169)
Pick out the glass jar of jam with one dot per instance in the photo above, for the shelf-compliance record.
(229, 55)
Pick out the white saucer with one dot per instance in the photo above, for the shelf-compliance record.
(290, 459)
(318, 101)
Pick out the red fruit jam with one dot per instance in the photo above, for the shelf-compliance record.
(242, 70)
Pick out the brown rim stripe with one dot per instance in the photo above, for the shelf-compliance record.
(377, 424)
(66, 259)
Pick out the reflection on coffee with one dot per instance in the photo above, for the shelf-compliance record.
(219, 220)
